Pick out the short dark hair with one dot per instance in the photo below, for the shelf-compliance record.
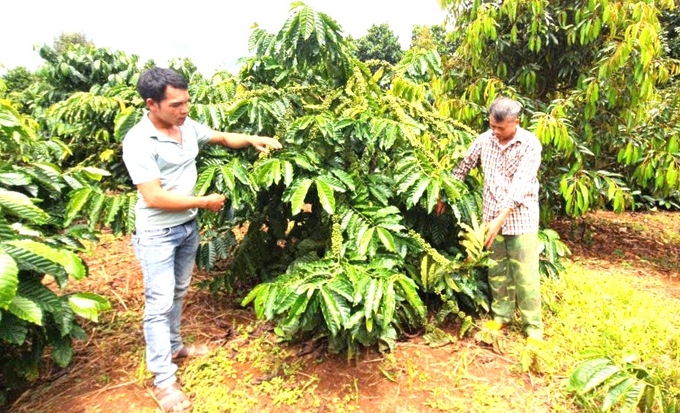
(153, 82)
(503, 108)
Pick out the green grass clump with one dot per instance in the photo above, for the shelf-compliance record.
(620, 316)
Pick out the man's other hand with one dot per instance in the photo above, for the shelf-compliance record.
(440, 207)
(214, 202)
(264, 143)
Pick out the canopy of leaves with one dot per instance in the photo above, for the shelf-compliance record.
(309, 47)
(18, 78)
(80, 68)
(379, 44)
(432, 37)
(65, 41)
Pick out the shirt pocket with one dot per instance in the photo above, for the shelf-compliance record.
(512, 159)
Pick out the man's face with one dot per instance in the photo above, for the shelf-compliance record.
(503, 130)
(174, 109)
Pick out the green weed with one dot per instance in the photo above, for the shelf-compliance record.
(618, 318)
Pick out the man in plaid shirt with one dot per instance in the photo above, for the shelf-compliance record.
(510, 157)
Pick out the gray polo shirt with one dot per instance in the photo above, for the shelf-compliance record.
(149, 154)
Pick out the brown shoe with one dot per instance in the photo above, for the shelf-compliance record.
(171, 399)
(190, 351)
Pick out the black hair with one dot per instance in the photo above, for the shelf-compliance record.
(153, 82)
(505, 108)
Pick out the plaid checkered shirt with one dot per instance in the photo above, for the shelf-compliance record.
(509, 178)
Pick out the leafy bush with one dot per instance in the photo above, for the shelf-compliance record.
(37, 259)
(341, 241)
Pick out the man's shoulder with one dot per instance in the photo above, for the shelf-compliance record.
(139, 128)
(197, 131)
(528, 137)
(138, 135)
(192, 123)
(197, 127)
(484, 137)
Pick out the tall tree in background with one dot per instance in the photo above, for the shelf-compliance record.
(433, 37)
(18, 79)
(65, 41)
(82, 67)
(17, 84)
(84, 90)
(380, 43)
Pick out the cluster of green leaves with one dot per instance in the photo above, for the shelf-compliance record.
(37, 255)
(597, 85)
(350, 303)
(380, 43)
(623, 387)
(81, 102)
(82, 96)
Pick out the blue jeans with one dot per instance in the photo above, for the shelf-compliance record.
(167, 259)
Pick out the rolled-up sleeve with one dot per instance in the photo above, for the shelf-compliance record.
(470, 160)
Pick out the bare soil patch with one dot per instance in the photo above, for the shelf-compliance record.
(646, 244)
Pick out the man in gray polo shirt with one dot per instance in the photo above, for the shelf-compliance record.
(159, 153)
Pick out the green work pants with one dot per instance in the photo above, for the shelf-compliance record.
(515, 281)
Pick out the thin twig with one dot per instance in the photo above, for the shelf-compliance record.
(120, 299)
